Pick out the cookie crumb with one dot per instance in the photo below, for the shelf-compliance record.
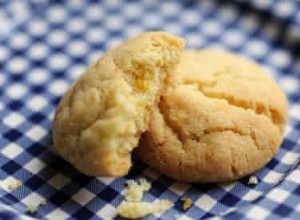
(10, 184)
(186, 203)
(134, 191)
(32, 207)
(252, 180)
(134, 210)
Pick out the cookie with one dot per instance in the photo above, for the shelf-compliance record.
(221, 118)
(100, 118)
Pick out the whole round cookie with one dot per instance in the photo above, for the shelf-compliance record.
(101, 117)
(221, 118)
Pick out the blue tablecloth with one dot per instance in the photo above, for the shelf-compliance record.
(45, 45)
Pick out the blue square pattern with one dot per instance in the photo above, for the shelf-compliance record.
(45, 45)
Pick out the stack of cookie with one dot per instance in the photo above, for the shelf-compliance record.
(196, 116)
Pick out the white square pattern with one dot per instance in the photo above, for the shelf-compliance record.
(252, 195)
(83, 196)
(294, 176)
(37, 103)
(290, 158)
(272, 177)
(13, 120)
(59, 181)
(206, 202)
(179, 188)
(278, 195)
(257, 213)
(12, 150)
(35, 165)
(57, 214)
(36, 133)
(107, 212)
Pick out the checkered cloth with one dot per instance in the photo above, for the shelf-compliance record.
(45, 45)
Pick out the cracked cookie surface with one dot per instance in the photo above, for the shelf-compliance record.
(101, 117)
(221, 118)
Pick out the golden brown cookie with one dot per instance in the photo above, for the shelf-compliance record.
(101, 117)
(222, 118)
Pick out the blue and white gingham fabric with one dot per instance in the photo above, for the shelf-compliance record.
(47, 44)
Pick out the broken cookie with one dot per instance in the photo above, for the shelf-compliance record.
(100, 118)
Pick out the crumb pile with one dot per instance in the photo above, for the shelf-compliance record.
(134, 208)
(10, 184)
